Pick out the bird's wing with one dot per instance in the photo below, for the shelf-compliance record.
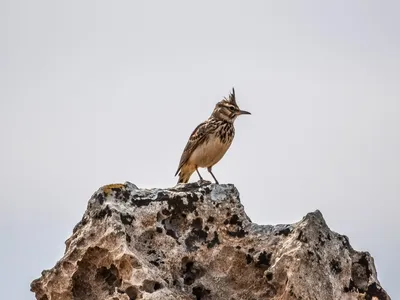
(196, 138)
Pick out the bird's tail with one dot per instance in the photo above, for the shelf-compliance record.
(185, 172)
(183, 178)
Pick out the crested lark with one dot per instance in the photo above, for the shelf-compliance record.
(210, 140)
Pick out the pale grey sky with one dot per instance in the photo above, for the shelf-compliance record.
(96, 92)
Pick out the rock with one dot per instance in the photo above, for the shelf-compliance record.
(195, 241)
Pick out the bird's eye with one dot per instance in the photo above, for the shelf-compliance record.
(231, 108)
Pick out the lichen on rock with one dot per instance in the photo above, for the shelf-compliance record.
(195, 241)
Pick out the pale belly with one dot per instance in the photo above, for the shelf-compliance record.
(209, 153)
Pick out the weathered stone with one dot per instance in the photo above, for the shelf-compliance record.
(195, 241)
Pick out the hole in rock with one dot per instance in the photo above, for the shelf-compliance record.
(150, 286)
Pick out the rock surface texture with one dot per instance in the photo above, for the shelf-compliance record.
(195, 241)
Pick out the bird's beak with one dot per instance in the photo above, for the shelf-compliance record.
(243, 112)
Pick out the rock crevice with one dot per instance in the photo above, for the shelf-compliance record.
(195, 241)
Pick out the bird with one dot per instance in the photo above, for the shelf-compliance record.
(210, 140)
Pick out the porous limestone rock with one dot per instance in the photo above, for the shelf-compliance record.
(195, 241)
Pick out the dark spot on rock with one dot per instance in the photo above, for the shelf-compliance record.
(321, 240)
(207, 190)
(361, 273)
(335, 266)
(249, 259)
(239, 233)
(140, 202)
(214, 241)
(310, 253)
(350, 288)
(375, 291)
(238, 247)
(345, 241)
(178, 203)
(226, 222)
(126, 219)
(197, 223)
(172, 233)
(175, 223)
(103, 213)
(190, 243)
(132, 292)
(206, 228)
(126, 194)
(202, 235)
(263, 260)
(364, 262)
(159, 229)
(151, 252)
(318, 256)
(301, 237)
(269, 276)
(150, 286)
(196, 213)
(165, 212)
(210, 219)
(128, 238)
(284, 231)
(157, 286)
(251, 250)
(100, 197)
(197, 235)
(189, 277)
(228, 214)
(154, 262)
(109, 275)
(83, 222)
(117, 191)
(235, 220)
(201, 293)
(191, 272)
(183, 215)
(160, 217)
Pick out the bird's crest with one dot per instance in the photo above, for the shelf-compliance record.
(232, 97)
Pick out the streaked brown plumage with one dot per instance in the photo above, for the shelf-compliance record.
(210, 140)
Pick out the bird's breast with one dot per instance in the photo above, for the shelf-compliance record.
(210, 151)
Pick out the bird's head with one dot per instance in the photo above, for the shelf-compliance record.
(227, 109)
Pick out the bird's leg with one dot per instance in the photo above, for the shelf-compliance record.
(198, 173)
(209, 170)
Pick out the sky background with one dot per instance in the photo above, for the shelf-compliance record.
(98, 92)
